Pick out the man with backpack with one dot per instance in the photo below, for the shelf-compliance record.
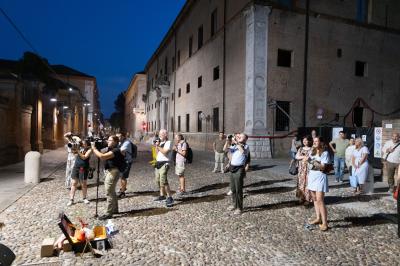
(163, 149)
(180, 148)
(129, 151)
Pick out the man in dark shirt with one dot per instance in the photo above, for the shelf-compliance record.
(114, 161)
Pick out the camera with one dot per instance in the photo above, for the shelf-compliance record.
(230, 136)
(99, 143)
(156, 140)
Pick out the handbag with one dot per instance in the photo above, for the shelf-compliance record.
(396, 192)
(293, 168)
(353, 181)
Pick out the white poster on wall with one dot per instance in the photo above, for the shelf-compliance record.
(335, 132)
(378, 142)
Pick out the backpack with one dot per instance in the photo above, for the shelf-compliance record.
(189, 154)
(134, 150)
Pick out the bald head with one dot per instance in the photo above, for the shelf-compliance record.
(396, 137)
(163, 134)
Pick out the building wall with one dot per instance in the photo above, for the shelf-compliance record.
(332, 85)
(133, 99)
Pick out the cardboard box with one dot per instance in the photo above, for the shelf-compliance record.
(47, 249)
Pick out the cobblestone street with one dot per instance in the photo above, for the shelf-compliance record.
(198, 230)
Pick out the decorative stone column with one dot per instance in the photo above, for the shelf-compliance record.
(257, 19)
(162, 110)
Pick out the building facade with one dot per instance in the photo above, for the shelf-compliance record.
(245, 65)
(135, 118)
(35, 114)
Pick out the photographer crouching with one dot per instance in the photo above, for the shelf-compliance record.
(80, 171)
(239, 151)
(114, 162)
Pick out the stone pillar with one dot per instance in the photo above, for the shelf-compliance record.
(60, 128)
(36, 128)
(257, 18)
(84, 121)
(164, 89)
(76, 120)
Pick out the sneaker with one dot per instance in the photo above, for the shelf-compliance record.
(121, 194)
(340, 181)
(214, 171)
(86, 201)
(237, 212)
(169, 202)
(231, 208)
(229, 193)
(390, 190)
(159, 198)
(70, 202)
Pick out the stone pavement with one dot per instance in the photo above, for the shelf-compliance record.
(12, 185)
(199, 230)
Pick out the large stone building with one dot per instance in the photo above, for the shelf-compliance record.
(135, 119)
(239, 65)
(36, 109)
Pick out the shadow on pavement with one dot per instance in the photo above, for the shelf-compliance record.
(329, 200)
(144, 212)
(210, 187)
(273, 206)
(257, 167)
(271, 190)
(375, 219)
(266, 183)
(193, 200)
(94, 184)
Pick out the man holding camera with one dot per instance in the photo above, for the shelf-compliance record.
(163, 148)
(114, 164)
(126, 147)
(391, 155)
(218, 147)
(72, 149)
(239, 151)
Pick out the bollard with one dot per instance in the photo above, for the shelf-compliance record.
(369, 183)
(32, 167)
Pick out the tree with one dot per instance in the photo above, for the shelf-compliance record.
(117, 117)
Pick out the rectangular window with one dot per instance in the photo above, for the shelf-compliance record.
(179, 92)
(281, 116)
(172, 128)
(216, 73)
(187, 123)
(188, 88)
(200, 37)
(216, 119)
(284, 58)
(173, 63)
(179, 57)
(361, 69)
(213, 22)
(339, 53)
(179, 123)
(166, 66)
(199, 122)
(173, 96)
(190, 46)
(199, 82)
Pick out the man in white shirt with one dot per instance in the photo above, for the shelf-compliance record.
(391, 154)
(163, 148)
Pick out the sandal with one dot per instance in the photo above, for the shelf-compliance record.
(323, 227)
(315, 221)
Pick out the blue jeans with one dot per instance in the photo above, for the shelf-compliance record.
(339, 168)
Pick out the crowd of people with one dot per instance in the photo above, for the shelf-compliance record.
(312, 155)
(313, 160)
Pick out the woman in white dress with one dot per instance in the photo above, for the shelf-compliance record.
(318, 182)
(360, 164)
(349, 154)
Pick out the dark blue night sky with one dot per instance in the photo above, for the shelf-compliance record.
(110, 40)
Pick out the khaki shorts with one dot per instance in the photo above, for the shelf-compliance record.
(180, 169)
(161, 175)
